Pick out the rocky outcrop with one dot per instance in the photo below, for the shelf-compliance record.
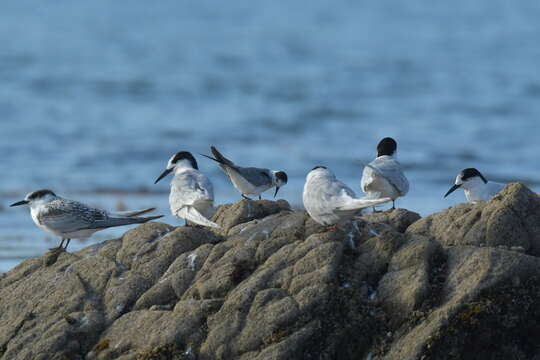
(509, 220)
(273, 284)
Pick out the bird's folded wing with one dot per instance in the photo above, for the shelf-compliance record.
(333, 194)
(68, 216)
(191, 188)
(120, 221)
(132, 212)
(255, 176)
(191, 214)
(391, 170)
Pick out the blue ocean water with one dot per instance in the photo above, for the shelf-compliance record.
(96, 96)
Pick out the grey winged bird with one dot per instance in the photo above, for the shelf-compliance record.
(192, 194)
(475, 185)
(384, 177)
(329, 201)
(71, 219)
(249, 180)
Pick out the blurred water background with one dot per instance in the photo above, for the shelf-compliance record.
(95, 96)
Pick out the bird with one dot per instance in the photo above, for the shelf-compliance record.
(249, 180)
(384, 177)
(192, 194)
(70, 219)
(329, 201)
(475, 185)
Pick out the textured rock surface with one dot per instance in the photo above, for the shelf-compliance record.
(273, 284)
(510, 219)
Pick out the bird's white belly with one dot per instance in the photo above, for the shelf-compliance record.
(379, 188)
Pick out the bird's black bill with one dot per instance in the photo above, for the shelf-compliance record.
(163, 174)
(452, 189)
(277, 189)
(19, 203)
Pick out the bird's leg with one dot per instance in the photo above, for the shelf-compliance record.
(393, 204)
(375, 210)
(245, 197)
(186, 223)
(59, 246)
(260, 197)
(67, 243)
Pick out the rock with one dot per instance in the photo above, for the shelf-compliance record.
(273, 284)
(510, 219)
(229, 215)
(411, 265)
(474, 294)
(398, 219)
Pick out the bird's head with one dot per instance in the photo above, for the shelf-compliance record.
(182, 159)
(467, 179)
(35, 197)
(280, 179)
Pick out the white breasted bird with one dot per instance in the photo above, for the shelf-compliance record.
(249, 180)
(384, 177)
(475, 185)
(71, 219)
(329, 201)
(192, 194)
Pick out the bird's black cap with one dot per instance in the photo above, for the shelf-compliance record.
(387, 146)
(470, 173)
(185, 155)
(38, 194)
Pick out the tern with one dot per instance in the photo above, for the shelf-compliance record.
(384, 177)
(329, 201)
(71, 219)
(475, 185)
(192, 194)
(249, 180)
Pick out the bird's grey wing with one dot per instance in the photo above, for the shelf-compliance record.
(391, 170)
(70, 216)
(189, 188)
(334, 193)
(256, 176)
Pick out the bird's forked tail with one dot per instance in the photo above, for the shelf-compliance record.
(361, 203)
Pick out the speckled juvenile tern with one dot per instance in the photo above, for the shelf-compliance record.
(71, 219)
(192, 194)
(249, 180)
